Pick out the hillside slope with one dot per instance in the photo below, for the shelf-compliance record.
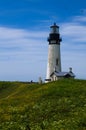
(58, 105)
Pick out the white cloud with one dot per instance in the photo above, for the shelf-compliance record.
(19, 38)
(74, 46)
(79, 19)
(20, 53)
(75, 32)
(12, 33)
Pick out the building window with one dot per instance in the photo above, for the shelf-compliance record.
(56, 61)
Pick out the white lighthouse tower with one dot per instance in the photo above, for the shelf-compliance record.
(54, 56)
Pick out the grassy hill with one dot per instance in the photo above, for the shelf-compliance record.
(59, 105)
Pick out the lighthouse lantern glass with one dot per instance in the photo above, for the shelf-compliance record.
(54, 29)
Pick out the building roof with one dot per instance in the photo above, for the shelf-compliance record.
(63, 74)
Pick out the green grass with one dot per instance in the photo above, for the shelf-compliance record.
(59, 105)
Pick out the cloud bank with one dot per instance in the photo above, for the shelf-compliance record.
(21, 53)
(74, 45)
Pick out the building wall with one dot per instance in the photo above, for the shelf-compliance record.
(54, 77)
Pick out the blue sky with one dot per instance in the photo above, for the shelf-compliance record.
(24, 28)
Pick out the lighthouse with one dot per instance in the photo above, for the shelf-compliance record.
(54, 71)
(54, 55)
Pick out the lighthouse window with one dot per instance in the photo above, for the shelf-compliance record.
(54, 30)
(56, 61)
